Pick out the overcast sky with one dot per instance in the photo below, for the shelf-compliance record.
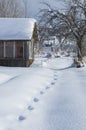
(33, 6)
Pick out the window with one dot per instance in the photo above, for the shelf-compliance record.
(1, 49)
(9, 49)
(19, 49)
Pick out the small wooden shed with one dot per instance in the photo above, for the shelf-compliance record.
(17, 39)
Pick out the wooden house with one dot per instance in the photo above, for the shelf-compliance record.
(17, 39)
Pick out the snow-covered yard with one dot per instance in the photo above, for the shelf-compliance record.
(49, 95)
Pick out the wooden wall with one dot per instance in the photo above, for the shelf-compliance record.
(15, 53)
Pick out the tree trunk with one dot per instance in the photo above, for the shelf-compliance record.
(79, 62)
(79, 50)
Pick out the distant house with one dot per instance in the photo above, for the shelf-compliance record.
(52, 42)
(17, 39)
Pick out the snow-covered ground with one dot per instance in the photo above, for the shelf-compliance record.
(49, 95)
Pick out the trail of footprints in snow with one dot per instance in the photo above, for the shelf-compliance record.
(30, 107)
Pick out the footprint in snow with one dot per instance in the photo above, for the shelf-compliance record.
(55, 78)
(30, 108)
(52, 83)
(41, 92)
(36, 99)
(55, 75)
(47, 87)
(21, 118)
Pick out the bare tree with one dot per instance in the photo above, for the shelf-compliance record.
(70, 23)
(12, 8)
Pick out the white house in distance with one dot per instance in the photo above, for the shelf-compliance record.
(17, 39)
(52, 43)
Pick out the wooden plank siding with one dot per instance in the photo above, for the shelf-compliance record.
(15, 53)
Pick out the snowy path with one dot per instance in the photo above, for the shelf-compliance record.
(62, 106)
(57, 104)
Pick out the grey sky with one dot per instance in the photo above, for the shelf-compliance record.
(33, 6)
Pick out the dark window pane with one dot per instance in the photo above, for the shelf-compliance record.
(9, 49)
(1, 49)
(19, 49)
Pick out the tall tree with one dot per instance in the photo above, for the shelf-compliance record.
(12, 8)
(70, 23)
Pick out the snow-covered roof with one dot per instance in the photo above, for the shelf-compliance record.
(16, 28)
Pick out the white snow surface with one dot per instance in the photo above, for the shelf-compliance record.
(49, 95)
(16, 28)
